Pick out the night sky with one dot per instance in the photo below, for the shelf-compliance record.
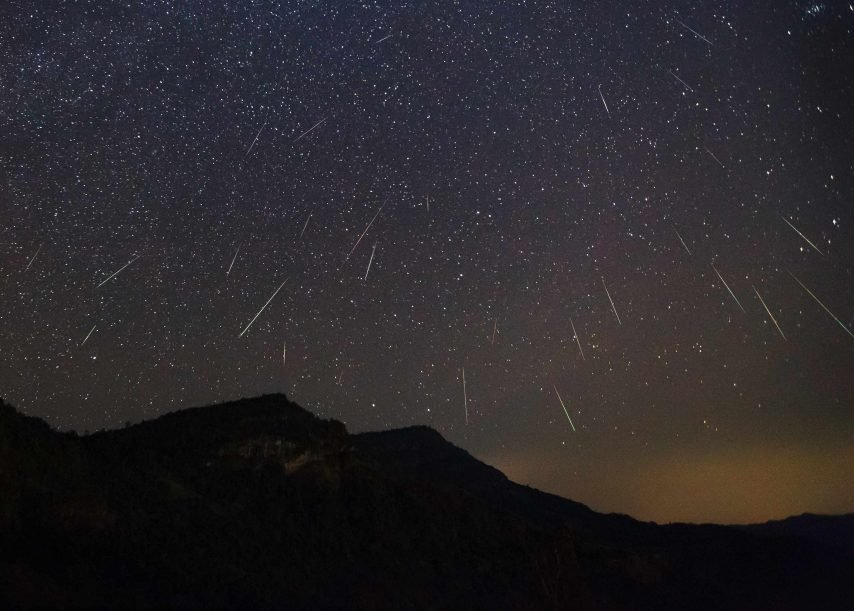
(593, 199)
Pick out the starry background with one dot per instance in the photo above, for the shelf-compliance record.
(518, 158)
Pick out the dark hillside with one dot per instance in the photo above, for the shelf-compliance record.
(258, 504)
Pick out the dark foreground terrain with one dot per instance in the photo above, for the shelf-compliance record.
(258, 504)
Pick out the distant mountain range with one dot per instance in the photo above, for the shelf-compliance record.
(258, 504)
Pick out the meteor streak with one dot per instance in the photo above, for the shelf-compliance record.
(262, 308)
(233, 260)
(770, 315)
(806, 239)
(370, 261)
(34, 257)
(465, 396)
(727, 287)
(680, 80)
(251, 146)
(818, 301)
(564, 408)
(683, 241)
(365, 231)
(603, 101)
(114, 274)
(715, 157)
(578, 341)
(694, 32)
(304, 226)
(90, 333)
(308, 131)
(613, 307)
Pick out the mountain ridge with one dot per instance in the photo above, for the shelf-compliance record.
(260, 504)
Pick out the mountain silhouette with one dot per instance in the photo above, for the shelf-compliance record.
(258, 504)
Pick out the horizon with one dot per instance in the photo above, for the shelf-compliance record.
(528, 479)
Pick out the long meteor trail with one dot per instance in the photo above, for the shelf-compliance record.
(770, 315)
(365, 231)
(564, 408)
(613, 307)
(263, 308)
(308, 131)
(577, 340)
(89, 334)
(465, 396)
(605, 104)
(34, 257)
(818, 301)
(806, 239)
(694, 32)
(116, 273)
(727, 287)
(368, 271)
(683, 241)
(251, 146)
(233, 260)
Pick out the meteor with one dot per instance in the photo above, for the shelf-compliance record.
(727, 287)
(116, 273)
(683, 241)
(233, 260)
(802, 235)
(603, 101)
(34, 257)
(262, 308)
(818, 301)
(613, 307)
(365, 231)
(564, 408)
(89, 334)
(370, 261)
(308, 131)
(770, 315)
(578, 341)
(465, 396)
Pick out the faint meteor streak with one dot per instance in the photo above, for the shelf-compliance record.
(683, 241)
(233, 260)
(694, 32)
(613, 307)
(284, 353)
(681, 81)
(251, 146)
(365, 231)
(116, 273)
(465, 396)
(494, 330)
(263, 308)
(371, 260)
(727, 287)
(818, 301)
(770, 315)
(384, 38)
(714, 157)
(89, 334)
(34, 257)
(304, 226)
(308, 131)
(603, 101)
(577, 340)
(564, 408)
(806, 239)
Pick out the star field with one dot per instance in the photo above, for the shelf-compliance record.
(516, 158)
